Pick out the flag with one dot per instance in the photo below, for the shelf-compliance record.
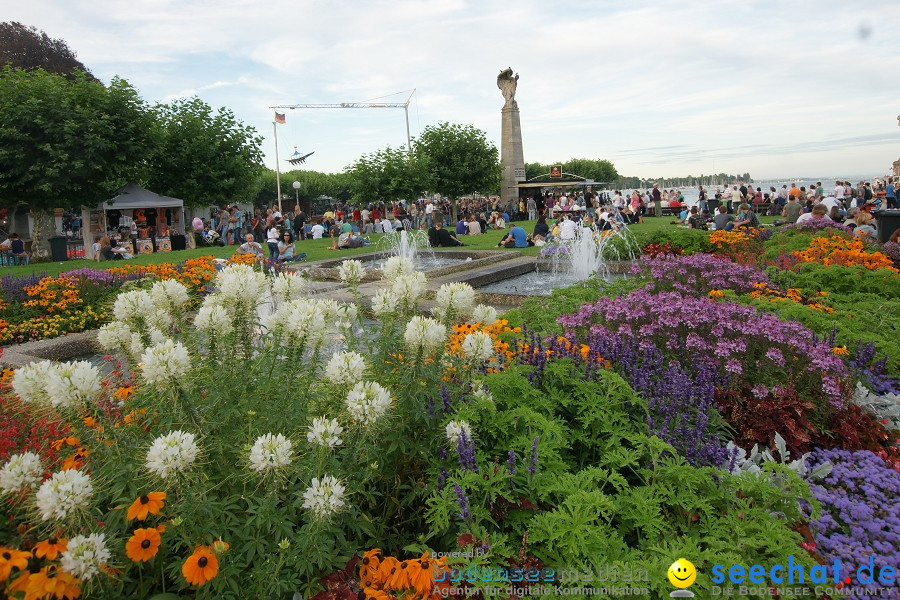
(279, 118)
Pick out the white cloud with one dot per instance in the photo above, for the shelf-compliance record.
(762, 86)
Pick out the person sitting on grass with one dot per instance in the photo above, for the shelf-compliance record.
(438, 236)
(541, 228)
(745, 218)
(473, 225)
(286, 250)
(250, 247)
(348, 240)
(696, 221)
(818, 213)
(517, 238)
(865, 225)
(723, 219)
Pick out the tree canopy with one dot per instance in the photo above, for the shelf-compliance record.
(459, 159)
(389, 174)
(68, 142)
(28, 48)
(204, 157)
(589, 168)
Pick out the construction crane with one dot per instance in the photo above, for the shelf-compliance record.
(365, 104)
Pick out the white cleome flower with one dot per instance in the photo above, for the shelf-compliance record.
(304, 322)
(454, 429)
(85, 555)
(478, 347)
(240, 284)
(171, 453)
(325, 432)
(345, 367)
(21, 471)
(137, 346)
(384, 301)
(351, 272)
(324, 497)
(159, 320)
(169, 295)
(396, 266)
(408, 287)
(367, 402)
(213, 320)
(287, 287)
(115, 336)
(165, 363)
(479, 392)
(64, 492)
(486, 315)
(30, 381)
(270, 452)
(130, 307)
(454, 300)
(73, 384)
(424, 335)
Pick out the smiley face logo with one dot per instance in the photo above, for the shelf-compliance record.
(682, 573)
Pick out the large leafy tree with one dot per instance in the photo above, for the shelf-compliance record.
(312, 185)
(459, 160)
(29, 48)
(65, 143)
(388, 174)
(204, 157)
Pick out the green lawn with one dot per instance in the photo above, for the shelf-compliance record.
(315, 249)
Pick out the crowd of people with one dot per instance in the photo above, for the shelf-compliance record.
(557, 215)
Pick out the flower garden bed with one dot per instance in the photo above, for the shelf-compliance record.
(262, 453)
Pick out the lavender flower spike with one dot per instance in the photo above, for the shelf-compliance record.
(462, 501)
(532, 468)
(511, 462)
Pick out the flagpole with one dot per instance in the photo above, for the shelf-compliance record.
(277, 167)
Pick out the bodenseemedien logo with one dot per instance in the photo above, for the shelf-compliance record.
(682, 574)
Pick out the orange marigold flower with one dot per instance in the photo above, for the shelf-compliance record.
(52, 582)
(201, 566)
(148, 504)
(840, 350)
(143, 545)
(716, 294)
(50, 548)
(10, 559)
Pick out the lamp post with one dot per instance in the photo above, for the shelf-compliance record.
(296, 185)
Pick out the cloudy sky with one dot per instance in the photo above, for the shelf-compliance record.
(779, 89)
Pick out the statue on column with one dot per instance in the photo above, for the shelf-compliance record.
(507, 84)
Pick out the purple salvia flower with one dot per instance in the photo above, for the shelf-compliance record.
(462, 501)
(532, 467)
(442, 479)
(511, 462)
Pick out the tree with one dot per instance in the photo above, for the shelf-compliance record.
(598, 170)
(65, 143)
(389, 174)
(29, 48)
(459, 160)
(204, 157)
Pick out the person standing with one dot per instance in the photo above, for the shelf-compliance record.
(300, 223)
(890, 195)
(735, 199)
(657, 200)
(429, 213)
(238, 218)
(532, 208)
(703, 200)
(272, 237)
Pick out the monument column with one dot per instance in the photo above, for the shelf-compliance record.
(512, 157)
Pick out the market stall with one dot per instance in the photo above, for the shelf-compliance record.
(136, 216)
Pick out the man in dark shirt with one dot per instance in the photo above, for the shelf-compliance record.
(438, 236)
(299, 223)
